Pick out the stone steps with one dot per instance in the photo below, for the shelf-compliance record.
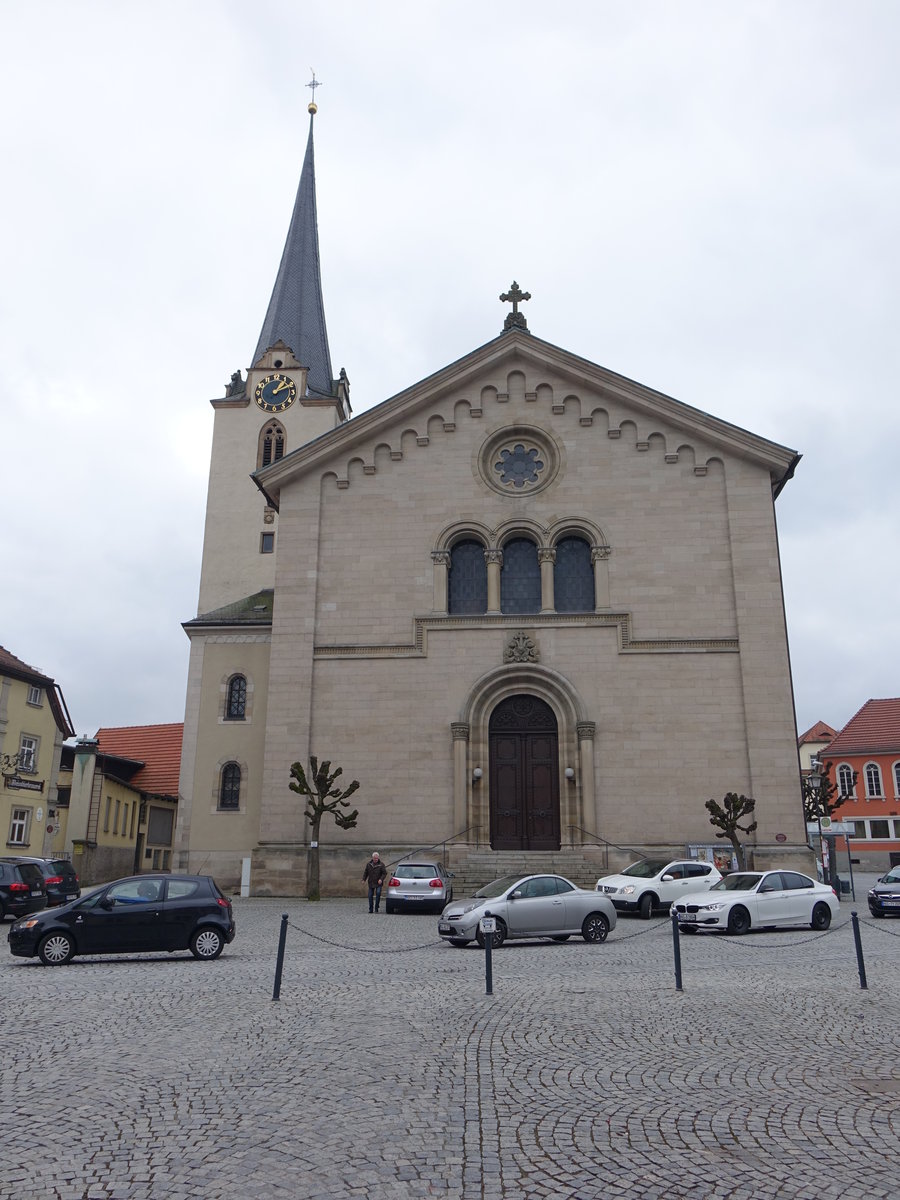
(472, 869)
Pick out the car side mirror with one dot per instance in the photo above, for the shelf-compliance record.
(451, 874)
(667, 879)
(107, 903)
(517, 895)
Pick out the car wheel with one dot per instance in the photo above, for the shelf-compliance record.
(595, 927)
(738, 920)
(56, 949)
(821, 917)
(458, 941)
(207, 943)
(389, 908)
(499, 936)
(874, 911)
(561, 937)
(645, 907)
(2, 913)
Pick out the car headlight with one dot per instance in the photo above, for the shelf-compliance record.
(626, 891)
(470, 908)
(30, 924)
(873, 893)
(710, 907)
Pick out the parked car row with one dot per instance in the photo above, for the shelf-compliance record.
(30, 884)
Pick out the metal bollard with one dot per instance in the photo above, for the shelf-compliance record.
(488, 966)
(280, 960)
(676, 943)
(859, 954)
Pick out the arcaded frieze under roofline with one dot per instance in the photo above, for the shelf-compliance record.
(519, 350)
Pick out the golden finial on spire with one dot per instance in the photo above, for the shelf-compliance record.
(313, 108)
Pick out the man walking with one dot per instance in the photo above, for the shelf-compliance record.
(374, 875)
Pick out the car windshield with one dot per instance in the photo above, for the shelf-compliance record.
(646, 868)
(416, 871)
(736, 883)
(497, 888)
(892, 876)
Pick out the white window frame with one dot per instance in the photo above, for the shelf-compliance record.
(850, 793)
(35, 696)
(28, 753)
(19, 822)
(872, 772)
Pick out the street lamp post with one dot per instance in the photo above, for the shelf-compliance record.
(814, 783)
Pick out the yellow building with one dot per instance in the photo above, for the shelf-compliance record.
(34, 723)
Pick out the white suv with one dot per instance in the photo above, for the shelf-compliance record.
(656, 883)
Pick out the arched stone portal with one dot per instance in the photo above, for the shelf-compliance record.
(524, 775)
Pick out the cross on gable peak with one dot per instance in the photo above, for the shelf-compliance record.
(515, 296)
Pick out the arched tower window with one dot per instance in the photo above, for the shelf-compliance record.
(897, 779)
(271, 444)
(520, 577)
(230, 786)
(573, 576)
(467, 584)
(236, 701)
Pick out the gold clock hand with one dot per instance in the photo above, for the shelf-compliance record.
(284, 383)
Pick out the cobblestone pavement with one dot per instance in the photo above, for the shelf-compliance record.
(386, 1071)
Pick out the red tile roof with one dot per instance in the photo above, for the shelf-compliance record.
(875, 729)
(158, 747)
(820, 732)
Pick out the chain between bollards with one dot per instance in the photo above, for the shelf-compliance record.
(676, 944)
(854, 920)
(279, 964)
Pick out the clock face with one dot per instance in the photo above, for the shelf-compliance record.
(275, 392)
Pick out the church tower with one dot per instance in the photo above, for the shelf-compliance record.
(289, 397)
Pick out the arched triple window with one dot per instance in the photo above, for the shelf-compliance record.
(467, 582)
(271, 444)
(897, 779)
(520, 577)
(874, 790)
(573, 576)
(230, 786)
(845, 780)
(236, 700)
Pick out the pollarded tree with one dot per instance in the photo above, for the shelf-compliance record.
(321, 797)
(727, 817)
(821, 801)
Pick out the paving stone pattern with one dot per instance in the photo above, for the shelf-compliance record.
(386, 1071)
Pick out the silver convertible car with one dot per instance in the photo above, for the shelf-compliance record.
(529, 906)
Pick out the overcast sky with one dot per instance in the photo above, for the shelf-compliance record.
(701, 196)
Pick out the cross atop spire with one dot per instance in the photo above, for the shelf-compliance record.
(313, 84)
(515, 319)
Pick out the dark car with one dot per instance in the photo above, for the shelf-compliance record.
(131, 916)
(60, 881)
(21, 888)
(884, 897)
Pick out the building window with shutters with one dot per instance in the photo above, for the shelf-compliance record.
(271, 444)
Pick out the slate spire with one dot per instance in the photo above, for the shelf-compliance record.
(296, 314)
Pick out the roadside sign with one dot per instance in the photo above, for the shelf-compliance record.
(488, 924)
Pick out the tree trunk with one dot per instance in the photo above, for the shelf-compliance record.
(312, 863)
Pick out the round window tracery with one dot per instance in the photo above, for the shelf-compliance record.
(518, 461)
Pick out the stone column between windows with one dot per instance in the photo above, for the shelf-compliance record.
(460, 731)
(585, 731)
(547, 557)
(494, 560)
(600, 559)
(441, 561)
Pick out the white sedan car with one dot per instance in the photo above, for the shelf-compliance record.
(759, 900)
(656, 883)
(529, 906)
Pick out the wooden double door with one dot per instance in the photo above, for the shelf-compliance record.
(524, 775)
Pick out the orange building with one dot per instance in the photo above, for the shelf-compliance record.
(869, 744)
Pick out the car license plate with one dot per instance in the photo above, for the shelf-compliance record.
(891, 903)
(689, 917)
(72, 896)
(443, 927)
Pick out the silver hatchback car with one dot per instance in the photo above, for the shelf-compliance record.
(418, 885)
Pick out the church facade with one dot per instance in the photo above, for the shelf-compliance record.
(534, 607)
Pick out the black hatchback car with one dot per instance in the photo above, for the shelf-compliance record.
(21, 888)
(60, 880)
(131, 916)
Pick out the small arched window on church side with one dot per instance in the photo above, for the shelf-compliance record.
(520, 577)
(573, 576)
(236, 700)
(230, 786)
(467, 583)
(271, 444)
